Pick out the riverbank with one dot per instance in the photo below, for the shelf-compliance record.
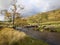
(52, 38)
(10, 36)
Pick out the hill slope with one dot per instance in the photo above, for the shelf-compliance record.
(46, 19)
(45, 16)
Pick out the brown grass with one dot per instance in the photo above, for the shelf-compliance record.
(9, 36)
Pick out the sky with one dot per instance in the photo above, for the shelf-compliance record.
(2, 18)
(32, 7)
(37, 6)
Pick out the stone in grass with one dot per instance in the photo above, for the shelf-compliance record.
(49, 28)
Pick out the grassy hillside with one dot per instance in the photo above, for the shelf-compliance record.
(9, 36)
(46, 18)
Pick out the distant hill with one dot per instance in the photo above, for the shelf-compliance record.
(45, 16)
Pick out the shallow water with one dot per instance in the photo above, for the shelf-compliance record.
(52, 38)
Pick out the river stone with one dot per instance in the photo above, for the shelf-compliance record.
(49, 28)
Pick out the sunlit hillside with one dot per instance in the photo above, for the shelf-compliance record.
(46, 18)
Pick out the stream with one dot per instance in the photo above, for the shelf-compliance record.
(52, 38)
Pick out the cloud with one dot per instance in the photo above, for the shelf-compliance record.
(32, 6)
(4, 4)
(42, 5)
(1, 17)
(54, 4)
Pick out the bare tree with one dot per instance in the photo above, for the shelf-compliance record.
(15, 10)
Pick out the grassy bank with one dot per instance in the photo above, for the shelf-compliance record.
(9, 36)
(53, 23)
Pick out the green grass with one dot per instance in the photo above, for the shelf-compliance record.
(56, 24)
(53, 23)
(58, 29)
(29, 41)
(9, 36)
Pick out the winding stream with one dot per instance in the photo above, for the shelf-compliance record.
(52, 38)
